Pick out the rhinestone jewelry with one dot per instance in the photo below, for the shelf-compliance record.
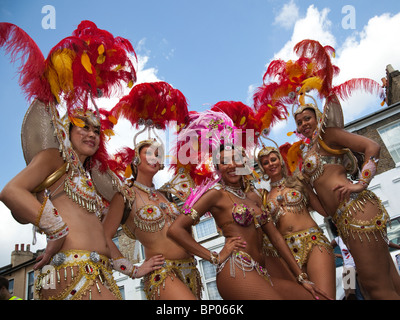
(151, 191)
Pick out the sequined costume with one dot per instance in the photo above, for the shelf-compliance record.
(246, 263)
(185, 270)
(77, 275)
(349, 226)
(301, 243)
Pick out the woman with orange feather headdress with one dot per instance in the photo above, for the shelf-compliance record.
(327, 158)
(145, 212)
(63, 189)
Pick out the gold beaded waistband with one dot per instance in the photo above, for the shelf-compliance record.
(72, 257)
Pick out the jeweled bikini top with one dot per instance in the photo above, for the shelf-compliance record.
(291, 200)
(241, 213)
(152, 217)
(314, 164)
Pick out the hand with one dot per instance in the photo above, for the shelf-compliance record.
(154, 263)
(344, 190)
(231, 244)
(51, 249)
(314, 290)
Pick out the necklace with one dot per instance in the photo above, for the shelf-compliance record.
(151, 191)
(279, 183)
(237, 191)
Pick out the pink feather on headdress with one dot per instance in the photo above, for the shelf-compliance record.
(199, 139)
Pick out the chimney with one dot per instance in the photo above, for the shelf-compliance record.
(20, 256)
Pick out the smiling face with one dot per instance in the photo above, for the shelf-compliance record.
(272, 166)
(230, 161)
(306, 123)
(85, 140)
(150, 159)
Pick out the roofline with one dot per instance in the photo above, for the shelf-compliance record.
(373, 117)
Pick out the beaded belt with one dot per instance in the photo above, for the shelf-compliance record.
(92, 267)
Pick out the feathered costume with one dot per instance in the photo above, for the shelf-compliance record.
(288, 82)
(89, 64)
(153, 105)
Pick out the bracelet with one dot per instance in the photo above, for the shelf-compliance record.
(126, 267)
(368, 171)
(303, 278)
(50, 222)
(192, 213)
(214, 256)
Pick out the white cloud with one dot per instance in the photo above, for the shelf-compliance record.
(13, 233)
(288, 15)
(315, 25)
(366, 54)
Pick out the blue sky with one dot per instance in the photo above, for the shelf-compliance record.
(210, 50)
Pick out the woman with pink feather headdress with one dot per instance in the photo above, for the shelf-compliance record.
(211, 141)
(327, 159)
(145, 213)
(58, 192)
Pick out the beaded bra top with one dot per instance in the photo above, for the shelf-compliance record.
(291, 200)
(152, 217)
(314, 164)
(242, 214)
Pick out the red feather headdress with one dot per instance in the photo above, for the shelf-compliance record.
(288, 82)
(153, 105)
(90, 62)
(82, 67)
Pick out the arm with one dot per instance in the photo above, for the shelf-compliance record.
(180, 230)
(17, 194)
(315, 204)
(337, 138)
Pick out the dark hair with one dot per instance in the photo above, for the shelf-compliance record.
(4, 282)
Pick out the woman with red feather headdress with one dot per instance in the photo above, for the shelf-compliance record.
(145, 212)
(327, 159)
(63, 189)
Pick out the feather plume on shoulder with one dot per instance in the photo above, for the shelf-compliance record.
(197, 192)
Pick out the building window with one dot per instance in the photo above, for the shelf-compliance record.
(122, 291)
(11, 286)
(393, 231)
(206, 228)
(31, 283)
(390, 135)
(209, 273)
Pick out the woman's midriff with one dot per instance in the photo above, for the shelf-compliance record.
(324, 185)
